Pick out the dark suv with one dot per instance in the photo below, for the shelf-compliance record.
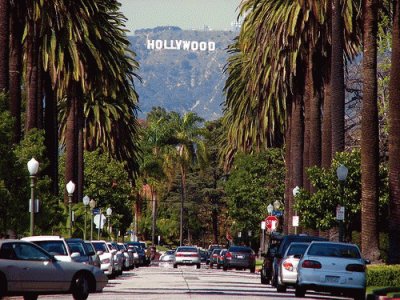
(276, 250)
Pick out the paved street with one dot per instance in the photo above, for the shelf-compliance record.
(165, 282)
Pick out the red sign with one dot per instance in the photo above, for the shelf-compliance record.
(271, 222)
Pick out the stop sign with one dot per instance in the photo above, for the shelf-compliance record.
(271, 222)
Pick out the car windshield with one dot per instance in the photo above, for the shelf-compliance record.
(169, 252)
(53, 247)
(100, 247)
(334, 250)
(297, 249)
(186, 249)
(216, 251)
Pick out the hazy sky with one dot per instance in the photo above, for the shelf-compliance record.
(187, 14)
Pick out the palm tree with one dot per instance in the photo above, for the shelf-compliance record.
(4, 42)
(394, 141)
(370, 135)
(190, 147)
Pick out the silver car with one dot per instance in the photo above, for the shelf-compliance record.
(332, 267)
(287, 268)
(168, 256)
(28, 270)
(187, 255)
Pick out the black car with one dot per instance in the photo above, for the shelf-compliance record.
(283, 245)
(240, 257)
(273, 242)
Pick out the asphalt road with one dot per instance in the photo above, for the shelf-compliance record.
(186, 282)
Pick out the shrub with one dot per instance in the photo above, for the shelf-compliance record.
(383, 275)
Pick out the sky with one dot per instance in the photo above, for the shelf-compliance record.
(187, 14)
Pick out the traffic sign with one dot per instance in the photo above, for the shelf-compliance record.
(271, 222)
(340, 210)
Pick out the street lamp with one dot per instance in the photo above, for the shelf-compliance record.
(262, 242)
(109, 212)
(277, 204)
(341, 173)
(33, 168)
(296, 190)
(86, 201)
(92, 204)
(270, 208)
(70, 189)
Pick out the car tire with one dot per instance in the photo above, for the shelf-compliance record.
(211, 265)
(218, 266)
(3, 285)
(175, 266)
(252, 269)
(280, 288)
(198, 266)
(225, 268)
(80, 287)
(299, 292)
(263, 279)
(359, 295)
(30, 296)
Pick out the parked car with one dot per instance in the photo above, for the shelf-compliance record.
(287, 269)
(240, 257)
(214, 257)
(118, 257)
(210, 250)
(203, 255)
(128, 257)
(28, 270)
(187, 255)
(94, 258)
(221, 258)
(143, 255)
(58, 247)
(332, 267)
(272, 248)
(106, 258)
(168, 256)
(135, 253)
(78, 246)
(283, 245)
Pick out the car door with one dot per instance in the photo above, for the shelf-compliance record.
(39, 270)
(10, 266)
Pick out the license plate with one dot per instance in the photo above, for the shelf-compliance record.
(334, 279)
(186, 261)
(239, 256)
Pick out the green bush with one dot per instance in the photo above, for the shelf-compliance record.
(383, 275)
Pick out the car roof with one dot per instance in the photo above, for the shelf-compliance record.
(43, 238)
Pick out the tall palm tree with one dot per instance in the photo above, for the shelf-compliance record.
(370, 135)
(4, 42)
(394, 141)
(190, 148)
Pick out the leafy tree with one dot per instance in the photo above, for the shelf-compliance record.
(255, 181)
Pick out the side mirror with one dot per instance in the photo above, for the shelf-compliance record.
(113, 251)
(75, 254)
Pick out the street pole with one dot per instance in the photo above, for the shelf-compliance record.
(32, 205)
(84, 233)
(98, 229)
(91, 224)
(341, 223)
(70, 214)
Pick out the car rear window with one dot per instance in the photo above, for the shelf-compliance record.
(100, 247)
(297, 249)
(240, 249)
(334, 250)
(77, 247)
(187, 249)
(53, 247)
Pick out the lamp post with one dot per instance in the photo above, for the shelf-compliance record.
(296, 190)
(262, 246)
(33, 167)
(92, 204)
(341, 173)
(86, 201)
(108, 212)
(270, 208)
(70, 189)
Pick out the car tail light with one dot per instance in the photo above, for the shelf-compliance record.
(228, 255)
(194, 255)
(288, 265)
(355, 268)
(179, 254)
(311, 264)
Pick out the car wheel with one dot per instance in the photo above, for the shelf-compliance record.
(218, 266)
(263, 279)
(299, 292)
(198, 266)
(30, 297)
(175, 266)
(80, 287)
(3, 285)
(225, 268)
(280, 288)
(252, 269)
(211, 265)
(359, 295)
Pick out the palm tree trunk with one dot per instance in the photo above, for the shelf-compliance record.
(183, 195)
(326, 155)
(51, 133)
(80, 120)
(15, 65)
(4, 43)
(31, 77)
(288, 174)
(370, 136)
(394, 142)
(337, 79)
(297, 146)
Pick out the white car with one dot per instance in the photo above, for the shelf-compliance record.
(287, 269)
(332, 267)
(55, 245)
(28, 270)
(168, 256)
(106, 257)
(187, 255)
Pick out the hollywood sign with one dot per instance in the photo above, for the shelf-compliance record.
(180, 45)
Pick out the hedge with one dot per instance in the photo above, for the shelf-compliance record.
(383, 275)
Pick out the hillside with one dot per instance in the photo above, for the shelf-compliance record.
(182, 70)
